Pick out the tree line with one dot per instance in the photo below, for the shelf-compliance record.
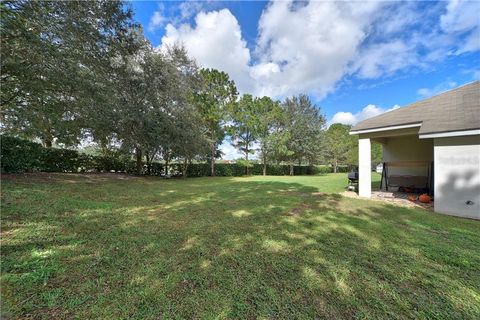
(76, 70)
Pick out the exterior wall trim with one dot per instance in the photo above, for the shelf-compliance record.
(389, 128)
(450, 134)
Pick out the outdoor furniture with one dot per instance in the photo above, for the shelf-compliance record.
(408, 183)
(352, 180)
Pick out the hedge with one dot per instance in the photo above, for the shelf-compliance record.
(18, 155)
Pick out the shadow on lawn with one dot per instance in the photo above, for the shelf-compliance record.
(248, 249)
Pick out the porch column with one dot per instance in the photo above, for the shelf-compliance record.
(364, 168)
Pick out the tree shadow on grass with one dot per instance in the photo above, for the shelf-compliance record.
(234, 249)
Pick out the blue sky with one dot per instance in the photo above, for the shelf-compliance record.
(355, 60)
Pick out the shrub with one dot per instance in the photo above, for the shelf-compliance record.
(59, 160)
(19, 155)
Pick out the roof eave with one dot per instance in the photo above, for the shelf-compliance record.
(448, 134)
(386, 128)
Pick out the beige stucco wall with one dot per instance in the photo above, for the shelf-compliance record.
(408, 148)
(457, 176)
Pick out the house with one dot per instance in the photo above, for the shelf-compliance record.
(432, 144)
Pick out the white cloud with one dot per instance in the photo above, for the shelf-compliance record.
(215, 42)
(462, 17)
(476, 74)
(399, 39)
(188, 9)
(385, 58)
(309, 47)
(298, 49)
(441, 87)
(344, 118)
(412, 35)
(232, 153)
(369, 111)
(157, 20)
(229, 151)
(177, 13)
(402, 16)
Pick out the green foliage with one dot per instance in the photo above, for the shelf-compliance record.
(55, 63)
(212, 101)
(217, 94)
(341, 147)
(377, 153)
(60, 160)
(270, 117)
(244, 124)
(18, 155)
(153, 109)
(246, 164)
(73, 70)
(256, 120)
(302, 130)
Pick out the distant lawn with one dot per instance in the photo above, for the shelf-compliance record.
(104, 246)
(328, 183)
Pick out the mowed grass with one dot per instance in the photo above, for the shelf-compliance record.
(106, 246)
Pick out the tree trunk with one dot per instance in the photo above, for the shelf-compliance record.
(212, 163)
(247, 171)
(291, 169)
(167, 161)
(104, 148)
(149, 166)
(138, 152)
(47, 142)
(335, 166)
(264, 165)
(185, 167)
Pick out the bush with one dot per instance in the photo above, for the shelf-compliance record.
(19, 155)
(59, 160)
(198, 170)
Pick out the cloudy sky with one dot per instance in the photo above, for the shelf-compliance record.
(355, 59)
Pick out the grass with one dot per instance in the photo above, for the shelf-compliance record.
(113, 247)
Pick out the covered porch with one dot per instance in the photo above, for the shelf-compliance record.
(407, 162)
(430, 146)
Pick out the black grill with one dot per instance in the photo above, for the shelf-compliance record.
(353, 176)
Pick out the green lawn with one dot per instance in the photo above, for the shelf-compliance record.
(115, 247)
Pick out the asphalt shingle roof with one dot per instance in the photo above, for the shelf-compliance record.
(454, 110)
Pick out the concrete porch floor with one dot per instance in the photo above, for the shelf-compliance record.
(396, 198)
